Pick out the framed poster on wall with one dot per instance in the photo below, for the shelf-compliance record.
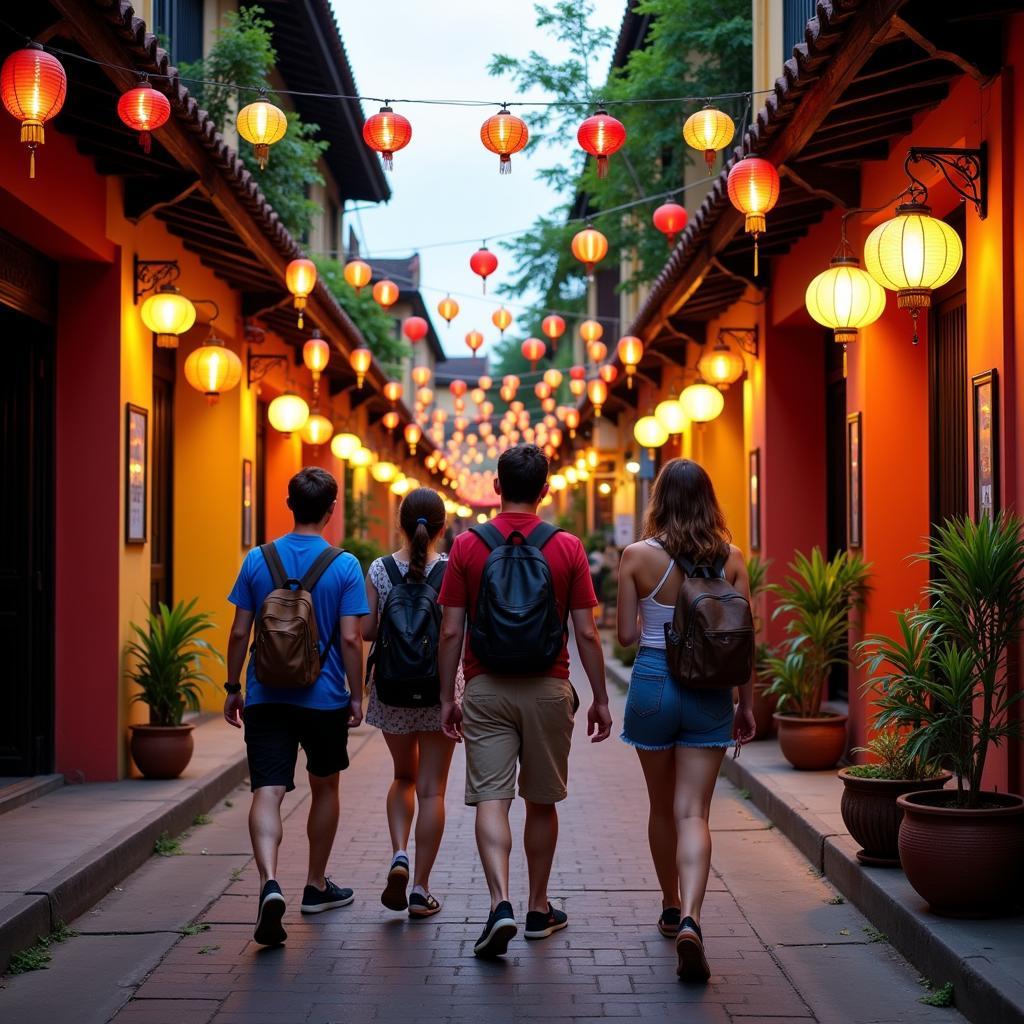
(136, 441)
(247, 509)
(755, 499)
(985, 401)
(854, 481)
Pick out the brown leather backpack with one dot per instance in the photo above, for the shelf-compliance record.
(709, 644)
(286, 647)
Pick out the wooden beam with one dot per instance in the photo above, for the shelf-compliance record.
(975, 49)
(840, 188)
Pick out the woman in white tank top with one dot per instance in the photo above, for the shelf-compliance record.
(680, 735)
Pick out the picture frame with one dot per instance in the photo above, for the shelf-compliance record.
(854, 481)
(247, 506)
(985, 406)
(754, 493)
(136, 472)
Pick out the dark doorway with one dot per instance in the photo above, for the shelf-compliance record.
(161, 544)
(26, 544)
(835, 477)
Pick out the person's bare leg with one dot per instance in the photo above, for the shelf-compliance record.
(435, 759)
(659, 768)
(322, 826)
(266, 830)
(494, 841)
(401, 802)
(540, 837)
(696, 772)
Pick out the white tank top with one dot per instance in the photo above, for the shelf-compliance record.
(653, 614)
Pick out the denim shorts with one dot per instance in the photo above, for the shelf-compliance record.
(660, 714)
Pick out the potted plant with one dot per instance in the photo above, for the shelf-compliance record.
(764, 703)
(819, 597)
(870, 790)
(944, 679)
(166, 655)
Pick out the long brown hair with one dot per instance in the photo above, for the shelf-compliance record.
(684, 512)
(421, 518)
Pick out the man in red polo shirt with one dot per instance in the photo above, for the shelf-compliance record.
(518, 720)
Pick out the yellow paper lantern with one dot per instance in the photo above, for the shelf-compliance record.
(630, 351)
(317, 429)
(650, 433)
(597, 392)
(553, 378)
(413, 433)
(701, 402)
(670, 415)
(708, 131)
(262, 124)
(360, 457)
(721, 365)
(168, 313)
(845, 298)
(300, 279)
(288, 413)
(400, 486)
(343, 445)
(213, 369)
(384, 472)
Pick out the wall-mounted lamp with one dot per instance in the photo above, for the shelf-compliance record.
(258, 366)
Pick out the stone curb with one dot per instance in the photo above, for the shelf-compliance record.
(77, 887)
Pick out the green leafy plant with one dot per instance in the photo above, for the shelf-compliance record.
(757, 577)
(893, 759)
(38, 956)
(202, 819)
(943, 677)
(941, 996)
(818, 596)
(167, 656)
(168, 846)
(196, 928)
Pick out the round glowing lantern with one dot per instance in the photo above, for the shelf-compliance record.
(553, 326)
(589, 246)
(262, 124)
(483, 263)
(597, 392)
(753, 188)
(288, 413)
(553, 377)
(144, 109)
(630, 351)
(485, 382)
(608, 372)
(601, 136)
(316, 354)
(721, 365)
(413, 433)
(701, 402)
(358, 274)
(670, 219)
(591, 331)
(360, 360)
(542, 389)
(425, 396)
(577, 386)
(384, 472)
(33, 86)
(533, 350)
(360, 457)
(502, 319)
(421, 376)
(390, 419)
(168, 313)
(458, 388)
(474, 339)
(504, 133)
(912, 254)
(387, 133)
(597, 351)
(300, 279)
(317, 430)
(386, 293)
(477, 395)
(213, 369)
(448, 308)
(392, 391)
(670, 415)
(708, 131)
(343, 445)
(845, 298)
(415, 328)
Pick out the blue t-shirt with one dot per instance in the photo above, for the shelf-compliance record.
(340, 591)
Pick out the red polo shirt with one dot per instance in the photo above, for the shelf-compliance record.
(570, 573)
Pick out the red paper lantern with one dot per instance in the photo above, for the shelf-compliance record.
(33, 86)
(484, 263)
(387, 133)
(601, 136)
(533, 350)
(458, 388)
(553, 326)
(754, 190)
(589, 246)
(144, 109)
(504, 133)
(609, 373)
(670, 219)
(415, 328)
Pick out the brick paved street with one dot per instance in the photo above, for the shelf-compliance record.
(779, 950)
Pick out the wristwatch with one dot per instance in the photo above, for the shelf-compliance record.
(232, 688)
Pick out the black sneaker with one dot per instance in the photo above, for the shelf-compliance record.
(668, 923)
(498, 932)
(692, 963)
(269, 931)
(540, 925)
(316, 901)
(423, 906)
(393, 896)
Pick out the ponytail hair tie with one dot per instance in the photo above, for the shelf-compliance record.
(421, 521)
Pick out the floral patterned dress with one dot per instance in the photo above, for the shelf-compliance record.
(383, 716)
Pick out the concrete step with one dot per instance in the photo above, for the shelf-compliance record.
(15, 792)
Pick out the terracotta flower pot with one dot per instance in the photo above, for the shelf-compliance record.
(764, 708)
(162, 751)
(812, 744)
(963, 862)
(870, 813)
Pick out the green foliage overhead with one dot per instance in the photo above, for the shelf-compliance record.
(243, 55)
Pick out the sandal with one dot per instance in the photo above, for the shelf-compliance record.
(668, 923)
(393, 896)
(423, 906)
(692, 963)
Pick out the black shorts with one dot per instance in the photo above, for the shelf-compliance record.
(274, 732)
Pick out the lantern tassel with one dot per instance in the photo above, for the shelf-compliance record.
(387, 159)
(709, 159)
(756, 266)
(602, 167)
(262, 151)
(301, 320)
(31, 162)
(145, 141)
(914, 315)
(505, 164)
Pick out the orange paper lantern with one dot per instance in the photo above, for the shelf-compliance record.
(358, 274)
(360, 360)
(589, 246)
(474, 340)
(598, 351)
(300, 279)
(458, 388)
(502, 319)
(609, 373)
(316, 354)
(448, 308)
(393, 391)
(572, 421)
(504, 133)
(597, 392)
(630, 351)
(33, 86)
(591, 330)
(387, 133)
(533, 350)
(601, 136)
(421, 376)
(390, 419)
(144, 109)
(754, 190)
(553, 326)
(386, 293)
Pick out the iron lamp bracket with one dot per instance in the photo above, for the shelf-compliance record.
(745, 338)
(258, 366)
(965, 171)
(153, 274)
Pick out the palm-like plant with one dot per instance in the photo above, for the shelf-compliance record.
(944, 676)
(818, 596)
(757, 577)
(167, 655)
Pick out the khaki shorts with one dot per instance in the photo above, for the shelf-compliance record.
(508, 720)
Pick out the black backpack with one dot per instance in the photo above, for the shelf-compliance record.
(516, 630)
(404, 657)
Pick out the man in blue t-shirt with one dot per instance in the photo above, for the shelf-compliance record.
(280, 720)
